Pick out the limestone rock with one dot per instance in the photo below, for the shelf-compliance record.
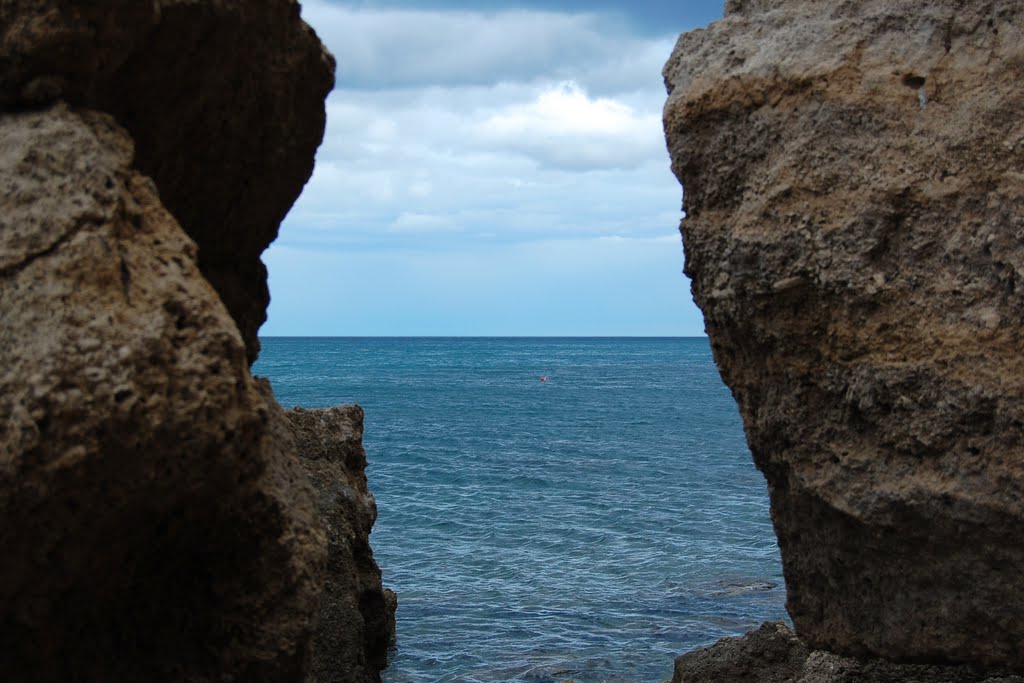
(357, 616)
(154, 522)
(854, 189)
(224, 99)
(772, 654)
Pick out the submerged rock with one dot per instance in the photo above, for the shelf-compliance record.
(357, 615)
(154, 522)
(854, 190)
(773, 654)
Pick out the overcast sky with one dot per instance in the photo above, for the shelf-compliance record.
(490, 168)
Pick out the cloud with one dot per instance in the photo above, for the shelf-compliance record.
(561, 110)
(380, 48)
(564, 127)
(516, 161)
(505, 199)
(407, 47)
(422, 85)
(550, 124)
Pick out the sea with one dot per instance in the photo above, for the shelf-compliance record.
(550, 509)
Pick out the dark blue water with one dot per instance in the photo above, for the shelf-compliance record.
(586, 528)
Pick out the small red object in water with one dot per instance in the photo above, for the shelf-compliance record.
(543, 379)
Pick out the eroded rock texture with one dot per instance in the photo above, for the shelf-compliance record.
(155, 524)
(854, 189)
(773, 654)
(224, 99)
(357, 616)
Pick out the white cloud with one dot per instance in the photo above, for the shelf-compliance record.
(504, 196)
(475, 124)
(563, 126)
(565, 109)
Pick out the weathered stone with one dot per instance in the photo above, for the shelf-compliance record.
(772, 654)
(357, 616)
(224, 99)
(154, 522)
(854, 189)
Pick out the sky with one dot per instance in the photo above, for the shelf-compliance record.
(490, 168)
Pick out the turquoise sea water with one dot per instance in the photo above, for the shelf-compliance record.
(589, 527)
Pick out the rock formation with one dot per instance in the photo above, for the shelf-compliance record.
(225, 104)
(854, 190)
(155, 522)
(773, 654)
(357, 615)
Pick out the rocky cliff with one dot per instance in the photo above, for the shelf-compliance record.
(854, 190)
(155, 521)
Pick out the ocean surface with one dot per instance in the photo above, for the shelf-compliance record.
(590, 527)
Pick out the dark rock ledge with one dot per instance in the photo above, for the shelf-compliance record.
(773, 654)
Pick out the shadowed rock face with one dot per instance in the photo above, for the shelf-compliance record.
(357, 616)
(854, 189)
(154, 522)
(224, 99)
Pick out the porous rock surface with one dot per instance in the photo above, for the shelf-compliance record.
(853, 179)
(154, 522)
(223, 98)
(357, 615)
(773, 654)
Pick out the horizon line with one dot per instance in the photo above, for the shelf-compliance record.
(481, 336)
